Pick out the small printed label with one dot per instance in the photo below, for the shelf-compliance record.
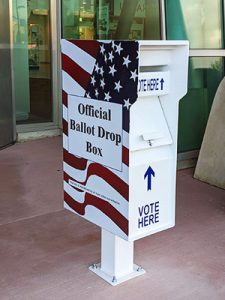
(91, 191)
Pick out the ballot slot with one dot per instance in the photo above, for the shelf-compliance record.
(157, 68)
(148, 127)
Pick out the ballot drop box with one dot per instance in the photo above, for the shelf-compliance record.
(120, 121)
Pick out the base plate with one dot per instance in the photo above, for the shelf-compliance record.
(137, 271)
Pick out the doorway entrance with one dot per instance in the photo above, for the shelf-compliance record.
(33, 29)
(32, 57)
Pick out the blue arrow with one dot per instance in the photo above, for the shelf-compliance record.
(162, 81)
(149, 173)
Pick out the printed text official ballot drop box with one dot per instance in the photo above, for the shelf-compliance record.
(120, 117)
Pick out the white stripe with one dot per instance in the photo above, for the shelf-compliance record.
(70, 86)
(65, 117)
(79, 56)
(105, 41)
(65, 141)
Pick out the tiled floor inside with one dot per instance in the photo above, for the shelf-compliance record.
(45, 251)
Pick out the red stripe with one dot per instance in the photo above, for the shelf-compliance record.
(90, 47)
(73, 161)
(125, 156)
(65, 127)
(75, 71)
(66, 177)
(64, 98)
(100, 204)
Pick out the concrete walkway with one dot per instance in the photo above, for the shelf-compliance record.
(45, 251)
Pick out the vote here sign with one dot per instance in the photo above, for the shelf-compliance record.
(153, 83)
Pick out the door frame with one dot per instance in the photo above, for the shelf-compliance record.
(9, 47)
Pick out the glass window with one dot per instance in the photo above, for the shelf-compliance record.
(199, 21)
(32, 61)
(205, 74)
(110, 19)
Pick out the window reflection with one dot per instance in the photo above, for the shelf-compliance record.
(199, 21)
(32, 61)
(110, 19)
(205, 74)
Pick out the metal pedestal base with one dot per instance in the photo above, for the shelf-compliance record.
(116, 260)
(137, 271)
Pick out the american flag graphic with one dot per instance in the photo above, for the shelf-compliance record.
(102, 71)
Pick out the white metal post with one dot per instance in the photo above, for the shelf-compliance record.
(116, 260)
(116, 255)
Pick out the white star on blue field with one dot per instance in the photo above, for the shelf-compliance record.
(115, 75)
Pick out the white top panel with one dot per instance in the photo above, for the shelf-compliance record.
(163, 43)
(158, 53)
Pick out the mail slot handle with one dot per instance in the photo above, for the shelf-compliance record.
(152, 136)
(149, 136)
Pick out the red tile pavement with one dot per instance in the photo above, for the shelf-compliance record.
(45, 251)
(30, 179)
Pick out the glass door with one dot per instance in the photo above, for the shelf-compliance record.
(200, 22)
(32, 61)
(111, 19)
(6, 107)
